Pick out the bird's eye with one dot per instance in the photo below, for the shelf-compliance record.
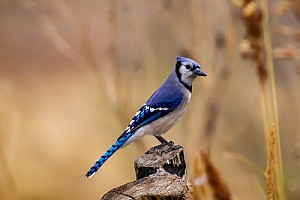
(188, 67)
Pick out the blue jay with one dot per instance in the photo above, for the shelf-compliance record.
(161, 112)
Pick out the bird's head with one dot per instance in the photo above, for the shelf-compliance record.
(187, 70)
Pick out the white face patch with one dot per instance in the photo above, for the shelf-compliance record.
(187, 75)
(184, 71)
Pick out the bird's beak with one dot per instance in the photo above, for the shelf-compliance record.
(199, 72)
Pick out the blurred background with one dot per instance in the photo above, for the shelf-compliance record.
(73, 73)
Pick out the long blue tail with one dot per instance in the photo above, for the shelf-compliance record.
(120, 141)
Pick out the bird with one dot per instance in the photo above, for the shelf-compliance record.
(162, 110)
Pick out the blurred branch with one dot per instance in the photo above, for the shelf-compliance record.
(202, 190)
(289, 31)
(116, 79)
(287, 53)
(86, 44)
(252, 46)
(7, 185)
(213, 105)
(287, 5)
(297, 69)
(60, 43)
(110, 73)
(219, 187)
(247, 165)
(223, 46)
(207, 181)
(10, 132)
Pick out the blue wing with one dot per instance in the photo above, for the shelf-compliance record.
(145, 115)
(161, 103)
(149, 113)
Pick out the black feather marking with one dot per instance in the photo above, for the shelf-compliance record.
(178, 64)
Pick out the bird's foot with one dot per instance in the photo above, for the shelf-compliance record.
(170, 143)
(163, 148)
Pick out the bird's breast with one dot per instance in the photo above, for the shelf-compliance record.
(163, 124)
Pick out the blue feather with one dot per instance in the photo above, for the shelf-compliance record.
(120, 141)
(183, 59)
(149, 113)
(145, 115)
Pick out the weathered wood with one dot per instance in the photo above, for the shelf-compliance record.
(161, 174)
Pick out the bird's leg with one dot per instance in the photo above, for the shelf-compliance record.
(164, 141)
(161, 139)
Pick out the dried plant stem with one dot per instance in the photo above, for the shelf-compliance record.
(199, 180)
(218, 186)
(271, 114)
(248, 166)
(269, 174)
(8, 185)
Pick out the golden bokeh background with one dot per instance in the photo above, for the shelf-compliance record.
(73, 73)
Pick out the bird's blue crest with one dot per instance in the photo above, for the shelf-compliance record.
(184, 59)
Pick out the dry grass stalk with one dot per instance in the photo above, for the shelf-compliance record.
(288, 5)
(8, 183)
(297, 69)
(284, 53)
(214, 103)
(260, 52)
(252, 45)
(283, 7)
(270, 100)
(288, 31)
(219, 188)
(106, 76)
(295, 6)
(199, 180)
(270, 171)
(248, 166)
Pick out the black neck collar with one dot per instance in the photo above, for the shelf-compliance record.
(178, 74)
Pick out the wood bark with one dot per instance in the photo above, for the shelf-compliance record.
(161, 175)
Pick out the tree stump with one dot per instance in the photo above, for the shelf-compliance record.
(161, 175)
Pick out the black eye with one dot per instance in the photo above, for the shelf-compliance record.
(188, 67)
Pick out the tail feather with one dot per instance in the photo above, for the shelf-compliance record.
(120, 141)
